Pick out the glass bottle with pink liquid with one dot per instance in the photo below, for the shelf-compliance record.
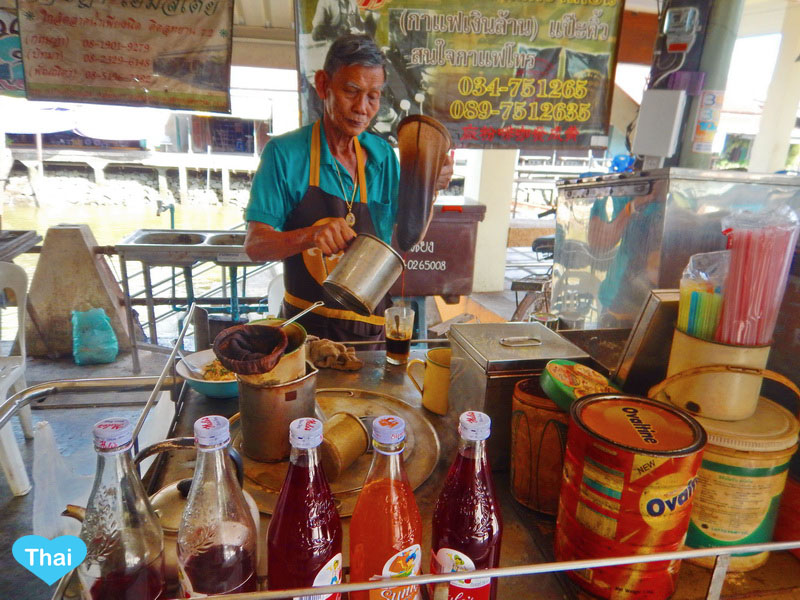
(305, 534)
(124, 541)
(467, 526)
(217, 535)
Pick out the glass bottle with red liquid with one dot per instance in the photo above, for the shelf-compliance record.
(124, 541)
(467, 526)
(305, 535)
(386, 528)
(217, 535)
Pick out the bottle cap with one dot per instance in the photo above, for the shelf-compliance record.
(474, 426)
(388, 429)
(212, 430)
(112, 433)
(305, 433)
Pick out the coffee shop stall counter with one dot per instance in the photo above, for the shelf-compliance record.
(527, 535)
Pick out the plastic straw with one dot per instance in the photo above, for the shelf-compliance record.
(760, 261)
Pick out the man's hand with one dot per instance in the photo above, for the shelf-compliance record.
(446, 173)
(333, 237)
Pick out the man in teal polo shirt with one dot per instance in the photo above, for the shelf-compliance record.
(319, 186)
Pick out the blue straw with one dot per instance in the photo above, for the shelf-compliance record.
(693, 306)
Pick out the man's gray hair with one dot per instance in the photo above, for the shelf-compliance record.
(354, 49)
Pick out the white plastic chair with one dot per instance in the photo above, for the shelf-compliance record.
(12, 377)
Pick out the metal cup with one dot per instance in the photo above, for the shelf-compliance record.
(267, 410)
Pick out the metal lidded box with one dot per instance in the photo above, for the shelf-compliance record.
(487, 360)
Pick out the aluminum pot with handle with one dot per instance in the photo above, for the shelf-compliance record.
(364, 274)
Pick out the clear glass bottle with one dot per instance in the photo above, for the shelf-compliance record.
(217, 535)
(386, 528)
(304, 543)
(124, 541)
(467, 526)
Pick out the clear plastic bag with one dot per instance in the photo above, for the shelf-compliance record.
(762, 245)
(701, 297)
(93, 338)
(55, 485)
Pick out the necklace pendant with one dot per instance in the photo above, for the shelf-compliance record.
(350, 219)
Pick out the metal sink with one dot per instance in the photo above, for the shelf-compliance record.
(227, 239)
(180, 239)
(180, 247)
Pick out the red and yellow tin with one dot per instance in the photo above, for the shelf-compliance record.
(630, 473)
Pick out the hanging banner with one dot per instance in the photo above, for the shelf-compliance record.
(11, 77)
(507, 74)
(160, 53)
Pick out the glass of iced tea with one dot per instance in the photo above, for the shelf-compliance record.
(399, 324)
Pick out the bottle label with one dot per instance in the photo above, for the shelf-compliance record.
(447, 560)
(405, 563)
(330, 574)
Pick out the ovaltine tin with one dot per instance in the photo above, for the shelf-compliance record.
(629, 476)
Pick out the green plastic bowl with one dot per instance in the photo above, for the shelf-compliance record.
(212, 389)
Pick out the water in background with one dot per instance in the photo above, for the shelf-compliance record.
(110, 224)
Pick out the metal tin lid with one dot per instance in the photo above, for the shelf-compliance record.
(565, 381)
(305, 433)
(115, 433)
(474, 426)
(639, 424)
(388, 429)
(771, 428)
(481, 341)
(212, 431)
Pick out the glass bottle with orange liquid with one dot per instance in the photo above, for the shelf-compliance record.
(467, 526)
(305, 535)
(386, 528)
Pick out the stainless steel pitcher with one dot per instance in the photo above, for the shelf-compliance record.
(364, 274)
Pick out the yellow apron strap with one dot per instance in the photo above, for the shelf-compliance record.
(362, 178)
(331, 313)
(313, 171)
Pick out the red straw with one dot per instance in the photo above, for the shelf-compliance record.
(760, 261)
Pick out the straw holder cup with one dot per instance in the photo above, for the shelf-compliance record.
(726, 395)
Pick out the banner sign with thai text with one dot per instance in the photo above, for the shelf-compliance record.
(12, 82)
(160, 53)
(501, 74)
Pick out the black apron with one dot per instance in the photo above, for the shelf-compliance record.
(304, 273)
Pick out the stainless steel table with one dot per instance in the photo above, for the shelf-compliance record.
(525, 534)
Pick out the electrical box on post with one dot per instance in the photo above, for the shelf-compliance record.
(659, 123)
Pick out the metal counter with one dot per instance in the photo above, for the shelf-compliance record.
(526, 535)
